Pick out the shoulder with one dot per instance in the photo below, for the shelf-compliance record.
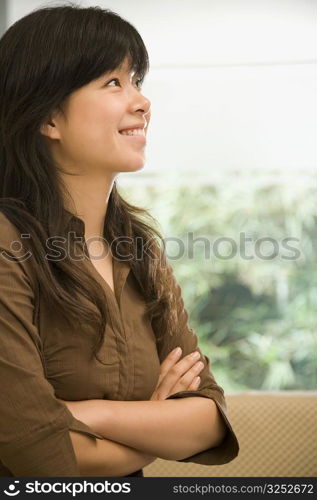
(9, 233)
(15, 256)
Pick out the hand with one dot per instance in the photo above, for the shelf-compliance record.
(177, 376)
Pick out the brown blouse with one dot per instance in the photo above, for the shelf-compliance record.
(43, 357)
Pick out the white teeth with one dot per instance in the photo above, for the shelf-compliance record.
(136, 131)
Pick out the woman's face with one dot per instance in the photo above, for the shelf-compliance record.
(87, 136)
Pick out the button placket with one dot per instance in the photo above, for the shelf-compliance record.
(127, 365)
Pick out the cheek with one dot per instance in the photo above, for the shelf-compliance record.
(101, 108)
(93, 124)
(89, 118)
(95, 120)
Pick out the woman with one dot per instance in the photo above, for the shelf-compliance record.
(90, 311)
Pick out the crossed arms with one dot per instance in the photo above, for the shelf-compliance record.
(137, 432)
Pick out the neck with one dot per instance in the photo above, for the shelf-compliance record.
(89, 201)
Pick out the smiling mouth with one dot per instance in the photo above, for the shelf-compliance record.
(137, 138)
(133, 132)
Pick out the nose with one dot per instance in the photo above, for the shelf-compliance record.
(147, 116)
(142, 105)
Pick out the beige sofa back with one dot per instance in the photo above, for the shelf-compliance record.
(277, 432)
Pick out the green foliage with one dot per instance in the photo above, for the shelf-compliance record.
(253, 304)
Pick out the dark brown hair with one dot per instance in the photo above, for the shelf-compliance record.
(44, 57)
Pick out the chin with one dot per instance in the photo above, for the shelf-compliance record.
(133, 166)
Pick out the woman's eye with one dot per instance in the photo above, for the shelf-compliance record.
(138, 83)
(113, 80)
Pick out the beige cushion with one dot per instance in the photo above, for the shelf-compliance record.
(277, 433)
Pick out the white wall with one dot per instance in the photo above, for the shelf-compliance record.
(233, 83)
(213, 31)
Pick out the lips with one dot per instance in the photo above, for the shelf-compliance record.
(134, 126)
(139, 137)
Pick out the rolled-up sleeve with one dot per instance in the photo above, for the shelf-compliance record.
(186, 338)
(34, 424)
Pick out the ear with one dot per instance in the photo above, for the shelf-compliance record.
(50, 129)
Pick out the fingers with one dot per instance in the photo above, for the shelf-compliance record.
(190, 380)
(168, 362)
(195, 384)
(179, 375)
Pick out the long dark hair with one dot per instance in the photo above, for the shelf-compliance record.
(44, 57)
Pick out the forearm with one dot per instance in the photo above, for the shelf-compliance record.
(171, 429)
(96, 457)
